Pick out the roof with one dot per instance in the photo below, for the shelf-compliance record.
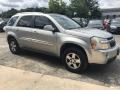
(34, 13)
(28, 13)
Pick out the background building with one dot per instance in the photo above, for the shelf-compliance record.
(112, 12)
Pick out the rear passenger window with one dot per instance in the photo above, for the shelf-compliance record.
(25, 21)
(12, 21)
(41, 21)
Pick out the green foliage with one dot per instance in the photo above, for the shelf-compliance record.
(78, 8)
(57, 6)
(42, 9)
(94, 8)
(69, 11)
(9, 13)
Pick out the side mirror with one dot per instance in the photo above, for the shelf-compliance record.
(49, 28)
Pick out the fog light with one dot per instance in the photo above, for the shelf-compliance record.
(107, 55)
(118, 51)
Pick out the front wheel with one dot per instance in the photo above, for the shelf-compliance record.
(13, 45)
(75, 60)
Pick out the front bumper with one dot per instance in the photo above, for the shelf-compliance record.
(103, 56)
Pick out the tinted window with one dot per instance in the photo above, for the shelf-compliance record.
(25, 21)
(41, 21)
(12, 21)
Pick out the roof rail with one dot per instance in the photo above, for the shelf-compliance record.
(29, 13)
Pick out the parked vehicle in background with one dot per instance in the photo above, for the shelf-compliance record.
(59, 35)
(115, 26)
(2, 24)
(82, 21)
(1, 21)
(95, 24)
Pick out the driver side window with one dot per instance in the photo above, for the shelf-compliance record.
(41, 21)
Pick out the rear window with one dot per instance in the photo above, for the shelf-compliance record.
(25, 21)
(12, 21)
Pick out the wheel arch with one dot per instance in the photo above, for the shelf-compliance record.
(9, 37)
(68, 45)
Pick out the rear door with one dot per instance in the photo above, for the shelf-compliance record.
(24, 30)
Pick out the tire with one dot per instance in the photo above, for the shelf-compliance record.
(13, 46)
(75, 60)
(1, 30)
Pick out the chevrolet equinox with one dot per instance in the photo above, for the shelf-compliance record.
(58, 35)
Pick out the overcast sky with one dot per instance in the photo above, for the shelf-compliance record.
(18, 4)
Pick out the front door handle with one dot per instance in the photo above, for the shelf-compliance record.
(17, 30)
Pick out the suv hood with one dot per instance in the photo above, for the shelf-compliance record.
(87, 32)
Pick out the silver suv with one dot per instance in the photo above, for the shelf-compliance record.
(60, 36)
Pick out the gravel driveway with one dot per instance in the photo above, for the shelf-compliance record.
(108, 75)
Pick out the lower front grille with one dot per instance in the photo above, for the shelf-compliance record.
(110, 38)
(118, 28)
(112, 43)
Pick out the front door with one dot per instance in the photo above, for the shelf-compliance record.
(44, 40)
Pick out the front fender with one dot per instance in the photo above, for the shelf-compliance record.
(76, 41)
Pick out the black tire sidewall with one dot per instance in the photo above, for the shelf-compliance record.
(83, 58)
(17, 46)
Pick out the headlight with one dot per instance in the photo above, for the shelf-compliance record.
(113, 27)
(99, 43)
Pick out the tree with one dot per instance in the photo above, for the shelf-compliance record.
(69, 11)
(85, 8)
(42, 9)
(57, 6)
(9, 13)
(79, 8)
(94, 8)
(62, 7)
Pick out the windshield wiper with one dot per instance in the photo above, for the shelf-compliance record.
(74, 28)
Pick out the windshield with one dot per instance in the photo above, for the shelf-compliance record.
(77, 20)
(66, 22)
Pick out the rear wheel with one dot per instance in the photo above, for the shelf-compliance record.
(75, 60)
(13, 45)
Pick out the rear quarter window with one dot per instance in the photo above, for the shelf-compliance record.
(12, 21)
